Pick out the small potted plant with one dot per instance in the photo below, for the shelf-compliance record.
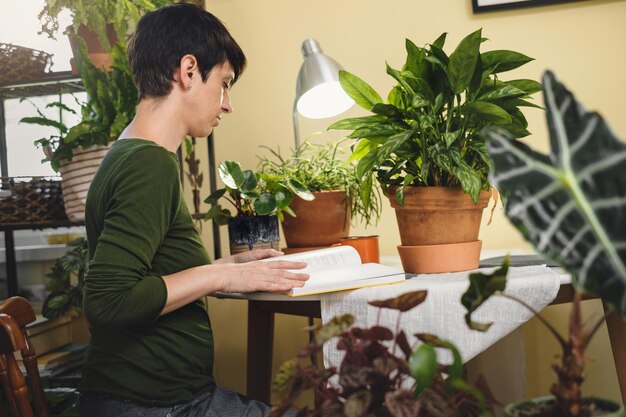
(381, 374)
(570, 206)
(66, 280)
(259, 201)
(423, 144)
(321, 169)
(75, 151)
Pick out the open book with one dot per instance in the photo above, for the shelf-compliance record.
(339, 268)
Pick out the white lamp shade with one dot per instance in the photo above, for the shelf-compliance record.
(324, 100)
(318, 92)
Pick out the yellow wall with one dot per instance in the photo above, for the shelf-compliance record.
(582, 42)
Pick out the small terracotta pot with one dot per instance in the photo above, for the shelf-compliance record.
(366, 246)
(321, 222)
(613, 408)
(434, 259)
(97, 54)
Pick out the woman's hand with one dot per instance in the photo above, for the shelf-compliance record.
(272, 276)
(243, 257)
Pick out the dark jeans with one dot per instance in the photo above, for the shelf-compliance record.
(219, 403)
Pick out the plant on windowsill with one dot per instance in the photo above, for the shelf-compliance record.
(111, 103)
(374, 378)
(259, 201)
(570, 205)
(65, 294)
(423, 144)
(324, 171)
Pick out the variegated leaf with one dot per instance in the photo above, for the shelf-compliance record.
(570, 204)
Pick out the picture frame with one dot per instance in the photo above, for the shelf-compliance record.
(480, 6)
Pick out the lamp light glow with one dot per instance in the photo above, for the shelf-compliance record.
(318, 92)
(325, 100)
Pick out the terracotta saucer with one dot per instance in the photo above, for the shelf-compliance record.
(433, 259)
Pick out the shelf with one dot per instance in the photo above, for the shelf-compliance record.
(51, 84)
(43, 225)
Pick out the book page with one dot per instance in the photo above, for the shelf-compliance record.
(323, 259)
(350, 273)
(349, 277)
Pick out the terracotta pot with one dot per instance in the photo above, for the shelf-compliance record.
(613, 408)
(76, 177)
(434, 259)
(320, 222)
(438, 229)
(366, 246)
(438, 215)
(97, 54)
(250, 233)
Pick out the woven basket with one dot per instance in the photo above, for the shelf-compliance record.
(18, 63)
(32, 200)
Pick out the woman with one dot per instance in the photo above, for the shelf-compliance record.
(151, 351)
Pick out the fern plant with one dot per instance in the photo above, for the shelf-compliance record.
(96, 15)
(111, 104)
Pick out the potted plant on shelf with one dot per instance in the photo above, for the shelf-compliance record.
(570, 206)
(424, 148)
(376, 380)
(65, 294)
(100, 24)
(76, 151)
(321, 169)
(259, 201)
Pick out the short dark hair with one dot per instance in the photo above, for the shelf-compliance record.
(165, 35)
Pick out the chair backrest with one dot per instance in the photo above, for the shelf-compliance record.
(15, 314)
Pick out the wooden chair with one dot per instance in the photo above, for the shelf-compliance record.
(15, 314)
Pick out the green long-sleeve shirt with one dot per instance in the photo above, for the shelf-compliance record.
(139, 229)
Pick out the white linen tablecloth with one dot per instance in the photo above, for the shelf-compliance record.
(442, 313)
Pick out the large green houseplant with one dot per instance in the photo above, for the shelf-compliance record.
(259, 201)
(324, 171)
(75, 151)
(423, 145)
(110, 105)
(570, 205)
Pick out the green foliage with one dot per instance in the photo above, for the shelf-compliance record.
(482, 286)
(64, 295)
(323, 168)
(111, 104)
(570, 205)
(427, 132)
(373, 377)
(96, 15)
(253, 194)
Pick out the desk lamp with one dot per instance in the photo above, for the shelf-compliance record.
(318, 92)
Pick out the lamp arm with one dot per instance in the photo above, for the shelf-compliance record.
(296, 126)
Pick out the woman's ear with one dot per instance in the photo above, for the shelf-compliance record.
(187, 71)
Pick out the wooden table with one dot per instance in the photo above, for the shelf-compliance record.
(262, 307)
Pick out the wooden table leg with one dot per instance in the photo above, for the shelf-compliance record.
(260, 346)
(617, 335)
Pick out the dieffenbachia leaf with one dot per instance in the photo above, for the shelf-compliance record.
(570, 204)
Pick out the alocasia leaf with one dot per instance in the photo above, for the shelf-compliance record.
(482, 286)
(570, 204)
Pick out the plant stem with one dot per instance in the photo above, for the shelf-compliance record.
(551, 328)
